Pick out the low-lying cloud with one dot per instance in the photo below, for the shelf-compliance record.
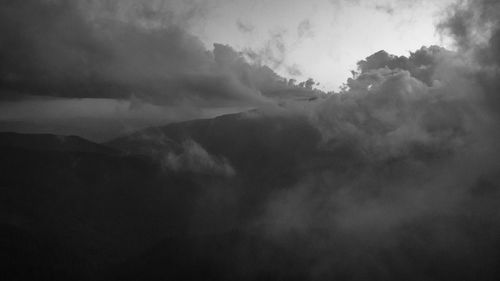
(415, 147)
(194, 158)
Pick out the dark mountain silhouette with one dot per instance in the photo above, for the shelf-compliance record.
(83, 201)
(50, 142)
(95, 206)
(270, 147)
(154, 205)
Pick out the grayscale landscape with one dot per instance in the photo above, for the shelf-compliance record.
(250, 140)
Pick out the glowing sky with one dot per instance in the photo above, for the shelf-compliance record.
(322, 39)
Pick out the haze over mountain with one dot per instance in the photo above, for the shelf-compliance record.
(208, 165)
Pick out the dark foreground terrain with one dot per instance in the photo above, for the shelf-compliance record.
(238, 197)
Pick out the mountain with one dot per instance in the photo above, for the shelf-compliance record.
(51, 142)
(271, 147)
(104, 204)
(247, 196)
(87, 203)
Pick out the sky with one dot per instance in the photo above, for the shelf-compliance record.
(322, 39)
(133, 64)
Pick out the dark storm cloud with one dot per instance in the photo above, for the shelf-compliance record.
(473, 23)
(475, 27)
(70, 50)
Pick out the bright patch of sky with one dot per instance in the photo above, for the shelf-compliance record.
(322, 39)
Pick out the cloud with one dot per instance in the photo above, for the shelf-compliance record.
(244, 27)
(421, 64)
(68, 50)
(304, 29)
(147, 13)
(475, 27)
(402, 167)
(274, 51)
(409, 140)
(472, 23)
(256, 75)
(194, 158)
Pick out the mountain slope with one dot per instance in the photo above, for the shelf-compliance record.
(245, 196)
(51, 142)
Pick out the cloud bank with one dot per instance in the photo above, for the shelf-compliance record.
(413, 144)
(194, 158)
(124, 50)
